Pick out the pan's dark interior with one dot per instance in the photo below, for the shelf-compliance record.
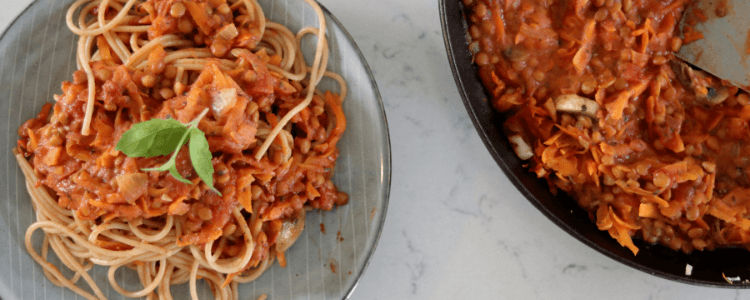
(709, 267)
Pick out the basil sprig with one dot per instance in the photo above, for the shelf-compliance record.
(157, 137)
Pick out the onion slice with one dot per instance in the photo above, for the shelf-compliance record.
(223, 100)
(132, 186)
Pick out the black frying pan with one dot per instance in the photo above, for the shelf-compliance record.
(709, 267)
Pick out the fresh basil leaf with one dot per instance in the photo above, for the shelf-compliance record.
(176, 175)
(160, 137)
(201, 156)
(154, 137)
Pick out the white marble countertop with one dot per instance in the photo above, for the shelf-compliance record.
(456, 228)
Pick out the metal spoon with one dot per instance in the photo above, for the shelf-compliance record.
(723, 51)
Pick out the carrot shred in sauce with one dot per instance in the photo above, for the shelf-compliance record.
(663, 155)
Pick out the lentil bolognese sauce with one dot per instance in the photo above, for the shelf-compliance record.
(598, 106)
(261, 151)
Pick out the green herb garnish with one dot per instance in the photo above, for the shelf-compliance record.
(157, 137)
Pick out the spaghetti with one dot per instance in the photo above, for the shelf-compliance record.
(272, 135)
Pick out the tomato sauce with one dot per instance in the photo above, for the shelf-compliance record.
(599, 107)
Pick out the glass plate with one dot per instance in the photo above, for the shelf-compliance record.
(37, 55)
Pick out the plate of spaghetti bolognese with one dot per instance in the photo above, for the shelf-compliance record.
(224, 149)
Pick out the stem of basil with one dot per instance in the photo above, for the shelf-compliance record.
(173, 158)
(194, 122)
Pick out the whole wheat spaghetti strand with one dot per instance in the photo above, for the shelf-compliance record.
(84, 59)
(286, 43)
(314, 77)
(115, 44)
(88, 32)
(146, 290)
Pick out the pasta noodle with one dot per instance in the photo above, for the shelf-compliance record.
(271, 132)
